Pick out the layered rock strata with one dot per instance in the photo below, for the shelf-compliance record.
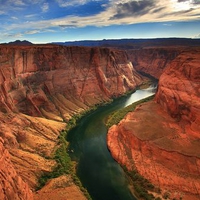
(60, 188)
(11, 184)
(179, 91)
(34, 79)
(161, 138)
(152, 61)
(41, 87)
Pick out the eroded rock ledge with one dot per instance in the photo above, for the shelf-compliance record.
(161, 138)
(41, 87)
(11, 184)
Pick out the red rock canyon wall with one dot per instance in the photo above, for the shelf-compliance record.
(41, 87)
(161, 138)
(179, 90)
(153, 61)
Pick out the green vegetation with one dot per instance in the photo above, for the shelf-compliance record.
(141, 185)
(64, 163)
(118, 115)
(63, 160)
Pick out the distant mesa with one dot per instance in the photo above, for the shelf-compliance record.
(134, 43)
(19, 42)
(121, 43)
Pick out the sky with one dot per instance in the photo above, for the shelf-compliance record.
(43, 21)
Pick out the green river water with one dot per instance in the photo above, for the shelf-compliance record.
(99, 173)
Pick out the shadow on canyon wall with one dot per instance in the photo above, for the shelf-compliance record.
(43, 86)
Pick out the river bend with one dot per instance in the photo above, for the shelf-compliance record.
(98, 171)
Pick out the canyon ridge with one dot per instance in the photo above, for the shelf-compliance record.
(44, 86)
(160, 139)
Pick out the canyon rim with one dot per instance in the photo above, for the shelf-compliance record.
(44, 86)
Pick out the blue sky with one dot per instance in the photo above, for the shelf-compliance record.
(42, 21)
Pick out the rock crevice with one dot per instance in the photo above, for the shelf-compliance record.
(161, 138)
(41, 88)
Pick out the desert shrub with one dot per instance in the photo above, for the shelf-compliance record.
(158, 198)
(64, 163)
(141, 185)
(166, 195)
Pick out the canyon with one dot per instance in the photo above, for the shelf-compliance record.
(160, 139)
(44, 86)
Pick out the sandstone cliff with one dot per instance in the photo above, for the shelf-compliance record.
(41, 87)
(153, 61)
(11, 184)
(179, 91)
(34, 79)
(162, 139)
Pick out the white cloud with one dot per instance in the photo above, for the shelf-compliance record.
(160, 12)
(197, 36)
(31, 16)
(116, 12)
(68, 3)
(31, 32)
(45, 7)
(36, 1)
(64, 3)
(9, 6)
(16, 35)
(19, 2)
(157, 11)
(167, 24)
(2, 12)
(15, 18)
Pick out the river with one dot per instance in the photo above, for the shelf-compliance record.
(98, 171)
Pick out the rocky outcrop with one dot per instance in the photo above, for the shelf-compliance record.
(11, 184)
(155, 145)
(161, 138)
(42, 80)
(179, 91)
(152, 61)
(41, 87)
(60, 188)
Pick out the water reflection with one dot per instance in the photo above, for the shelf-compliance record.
(97, 170)
(141, 94)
